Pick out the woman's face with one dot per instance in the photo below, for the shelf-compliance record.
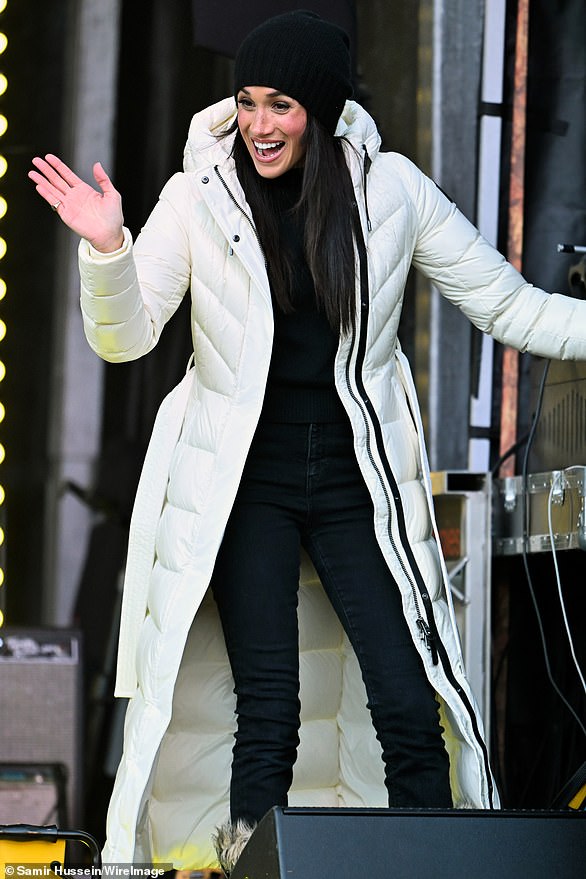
(272, 125)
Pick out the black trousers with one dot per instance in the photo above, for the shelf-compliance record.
(302, 486)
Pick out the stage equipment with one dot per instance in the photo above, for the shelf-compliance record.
(560, 438)
(573, 793)
(412, 844)
(24, 844)
(577, 278)
(571, 248)
(32, 792)
(518, 509)
(462, 504)
(40, 706)
(516, 227)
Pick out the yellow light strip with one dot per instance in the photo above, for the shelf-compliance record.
(3, 248)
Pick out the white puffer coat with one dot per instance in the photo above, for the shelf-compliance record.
(172, 785)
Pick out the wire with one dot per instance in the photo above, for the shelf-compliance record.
(51, 814)
(558, 581)
(507, 454)
(531, 437)
(526, 548)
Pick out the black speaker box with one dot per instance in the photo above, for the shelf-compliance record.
(40, 706)
(412, 844)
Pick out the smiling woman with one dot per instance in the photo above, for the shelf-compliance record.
(272, 126)
(296, 426)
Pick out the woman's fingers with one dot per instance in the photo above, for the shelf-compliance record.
(102, 179)
(53, 177)
(53, 165)
(95, 216)
(48, 175)
(46, 190)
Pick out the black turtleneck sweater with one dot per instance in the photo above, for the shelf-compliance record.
(300, 386)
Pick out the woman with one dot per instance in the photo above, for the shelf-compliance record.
(296, 426)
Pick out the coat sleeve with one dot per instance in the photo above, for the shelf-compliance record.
(469, 272)
(128, 296)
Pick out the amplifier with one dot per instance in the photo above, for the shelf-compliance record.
(556, 494)
(32, 793)
(413, 844)
(560, 436)
(40, 707)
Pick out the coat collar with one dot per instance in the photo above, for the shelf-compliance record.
(204, 149)
(210, 155)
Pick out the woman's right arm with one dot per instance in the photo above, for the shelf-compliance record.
(127, 292)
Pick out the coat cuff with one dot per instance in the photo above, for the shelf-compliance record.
(89, 254)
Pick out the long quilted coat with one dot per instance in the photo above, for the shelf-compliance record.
(172, 785)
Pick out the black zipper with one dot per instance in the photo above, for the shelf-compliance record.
(366, 163)
(426, 632)
(427, 628)
(237, 204)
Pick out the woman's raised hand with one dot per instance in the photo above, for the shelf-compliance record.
(95, 216)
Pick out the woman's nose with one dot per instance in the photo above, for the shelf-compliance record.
(262, 124)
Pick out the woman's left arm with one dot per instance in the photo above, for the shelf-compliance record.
(469, 272)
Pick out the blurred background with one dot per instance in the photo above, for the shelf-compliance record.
(486, 96)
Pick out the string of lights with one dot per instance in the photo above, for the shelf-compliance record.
(3, 249)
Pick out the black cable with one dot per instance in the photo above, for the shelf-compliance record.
(526, 547)
(510, 451)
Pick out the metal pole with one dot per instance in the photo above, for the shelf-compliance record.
(510, 376)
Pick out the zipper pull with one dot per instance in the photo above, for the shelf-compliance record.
(428, 639)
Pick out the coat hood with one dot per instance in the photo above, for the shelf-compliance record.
(204, 148)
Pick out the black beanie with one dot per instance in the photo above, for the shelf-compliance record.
(302, 56)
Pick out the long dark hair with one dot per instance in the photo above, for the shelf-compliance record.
(327, 203)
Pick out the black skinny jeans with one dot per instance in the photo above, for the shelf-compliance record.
(302, 485)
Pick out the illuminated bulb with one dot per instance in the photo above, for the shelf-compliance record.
(2, 417)
(2, 453)
(2, 248)
(2, 494)
(3, 42)
(2, 330)
(3, 4)
(1, 536)
(1, 576)
(3, 124)
(3, 166)
(3, 84)
(2, 288)
(1, 619)
(3, 207)
(2, 370)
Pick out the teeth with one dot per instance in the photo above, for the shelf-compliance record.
(267, 146)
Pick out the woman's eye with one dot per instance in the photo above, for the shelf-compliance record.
(281, 106)
(246, 103)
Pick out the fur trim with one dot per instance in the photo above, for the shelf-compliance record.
(229, 841)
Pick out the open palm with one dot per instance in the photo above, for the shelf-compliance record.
(96, 216)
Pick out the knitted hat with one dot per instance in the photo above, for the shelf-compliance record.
(304, 57)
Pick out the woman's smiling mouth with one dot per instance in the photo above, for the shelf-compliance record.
(268, 150)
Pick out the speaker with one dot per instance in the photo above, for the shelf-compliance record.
(412, 844)
(40, 706)
(32, 793)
